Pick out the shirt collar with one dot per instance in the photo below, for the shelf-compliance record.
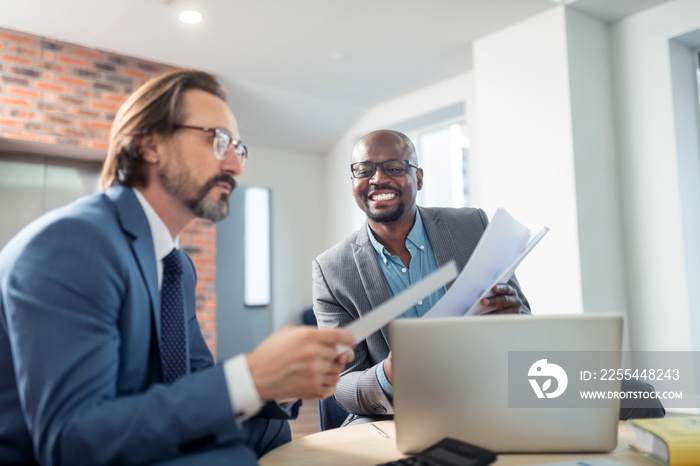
(417, 235)
(162, 241)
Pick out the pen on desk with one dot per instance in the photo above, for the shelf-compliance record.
(379, 431)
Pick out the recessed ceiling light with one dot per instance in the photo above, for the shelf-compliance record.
(190, 17)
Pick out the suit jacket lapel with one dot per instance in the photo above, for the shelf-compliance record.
(370, 273)
(134, 222)
(442, 241)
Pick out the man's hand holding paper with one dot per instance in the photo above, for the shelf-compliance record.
(481, 287)
(503, 299)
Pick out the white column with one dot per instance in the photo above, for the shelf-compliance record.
(524, 151)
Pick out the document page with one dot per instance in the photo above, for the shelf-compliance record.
(477, 308)
(389, 310)
(498, 253)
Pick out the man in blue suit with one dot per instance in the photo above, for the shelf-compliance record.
(90, 371)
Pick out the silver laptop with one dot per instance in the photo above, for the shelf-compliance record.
(493, 381)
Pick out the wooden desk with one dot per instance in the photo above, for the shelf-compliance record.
(361, 446)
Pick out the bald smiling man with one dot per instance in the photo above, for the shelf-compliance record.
(398, 246)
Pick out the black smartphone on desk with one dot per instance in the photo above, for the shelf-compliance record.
(448, 452)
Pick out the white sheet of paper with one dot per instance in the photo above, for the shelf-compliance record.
(477, 308)
(502, 241)
(389, 310)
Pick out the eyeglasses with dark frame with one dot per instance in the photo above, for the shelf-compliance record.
(392, 167)
(222, 140)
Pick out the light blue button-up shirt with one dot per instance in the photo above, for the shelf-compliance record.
(398, 277)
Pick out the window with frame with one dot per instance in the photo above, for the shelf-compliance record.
(443, 154)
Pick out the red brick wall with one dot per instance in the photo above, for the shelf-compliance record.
(61, 93)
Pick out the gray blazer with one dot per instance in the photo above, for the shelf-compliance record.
(348, 283)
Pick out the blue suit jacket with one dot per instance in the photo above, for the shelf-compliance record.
(80, 366)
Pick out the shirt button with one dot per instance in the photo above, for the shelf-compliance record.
(385, 260)
(403, 270)
(420, 303)
(422, 247)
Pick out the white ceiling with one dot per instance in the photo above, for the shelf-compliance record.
(273, 55)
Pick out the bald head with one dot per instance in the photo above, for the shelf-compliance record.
(384, 141)
(387, 195)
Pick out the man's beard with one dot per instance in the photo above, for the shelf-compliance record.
(385, 217)
(176, 181)
(205, 208)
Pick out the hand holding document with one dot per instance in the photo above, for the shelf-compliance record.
(502, 247)
(477, 308)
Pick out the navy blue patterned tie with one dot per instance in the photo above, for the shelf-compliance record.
(172, 318)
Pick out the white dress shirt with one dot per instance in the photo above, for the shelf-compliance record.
(245, 401)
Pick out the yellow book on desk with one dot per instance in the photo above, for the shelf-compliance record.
(673, 441)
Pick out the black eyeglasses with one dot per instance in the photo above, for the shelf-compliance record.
(222, 140)
(392, 167)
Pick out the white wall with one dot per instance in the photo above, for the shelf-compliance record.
(343, 215)
(655, 245)
(684, 66)
(298, 224)
(524, 154)
(595, 164)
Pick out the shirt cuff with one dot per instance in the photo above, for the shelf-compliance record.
(384, 382)
(245, 401)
